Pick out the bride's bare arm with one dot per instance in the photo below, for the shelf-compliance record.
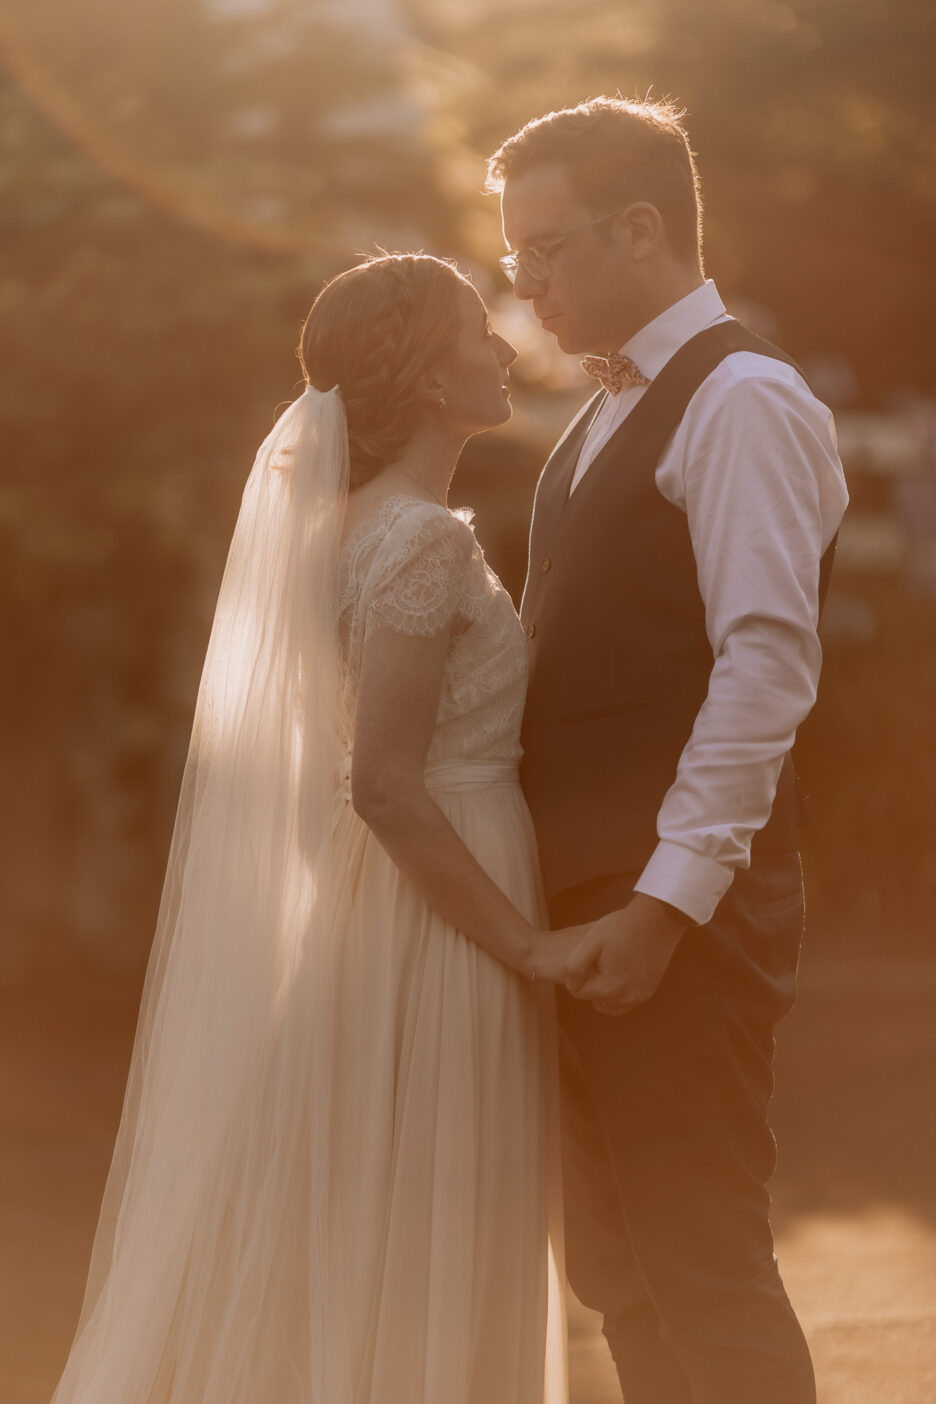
(401, 679)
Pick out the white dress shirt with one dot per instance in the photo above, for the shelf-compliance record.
(754, 466)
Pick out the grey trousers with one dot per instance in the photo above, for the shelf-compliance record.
(667, 1152)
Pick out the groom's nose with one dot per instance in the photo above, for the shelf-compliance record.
(525, 286)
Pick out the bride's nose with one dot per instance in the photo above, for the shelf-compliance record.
(506, 354)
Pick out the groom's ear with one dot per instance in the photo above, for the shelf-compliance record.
(641, 228)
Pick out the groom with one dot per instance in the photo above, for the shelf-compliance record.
(679, 552)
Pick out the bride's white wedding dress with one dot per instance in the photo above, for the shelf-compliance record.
(443, 1110)
(394, 1235)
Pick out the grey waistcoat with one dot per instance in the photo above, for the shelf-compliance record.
(619, 656)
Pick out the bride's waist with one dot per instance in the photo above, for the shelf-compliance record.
(456, 774)
(465, 774)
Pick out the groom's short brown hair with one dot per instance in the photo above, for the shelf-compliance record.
(615, 152)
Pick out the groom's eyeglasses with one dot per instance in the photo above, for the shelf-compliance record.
(536, 261)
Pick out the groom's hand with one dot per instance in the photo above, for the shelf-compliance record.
(626, 955)
(567, 949)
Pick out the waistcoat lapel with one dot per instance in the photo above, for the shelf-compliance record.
(552, 491)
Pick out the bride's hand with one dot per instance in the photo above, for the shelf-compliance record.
(566, 954)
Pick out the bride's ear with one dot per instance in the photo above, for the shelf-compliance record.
(430, 389)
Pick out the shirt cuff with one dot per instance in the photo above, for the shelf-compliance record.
(686, 880)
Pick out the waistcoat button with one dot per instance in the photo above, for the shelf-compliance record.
(531, 630)
(546, 564)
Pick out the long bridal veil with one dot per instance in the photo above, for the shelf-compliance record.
(213, 1219)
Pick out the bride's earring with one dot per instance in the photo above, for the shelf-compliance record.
(443, 403)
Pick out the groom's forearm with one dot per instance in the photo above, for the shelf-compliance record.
(762, 686)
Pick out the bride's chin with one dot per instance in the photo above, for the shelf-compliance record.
(500, 415)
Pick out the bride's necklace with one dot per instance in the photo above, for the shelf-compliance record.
(401, 473)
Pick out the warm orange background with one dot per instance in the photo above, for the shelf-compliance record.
(178, 177)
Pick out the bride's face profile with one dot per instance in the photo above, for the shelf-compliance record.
(472, 376)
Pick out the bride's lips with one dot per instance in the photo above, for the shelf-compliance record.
(553, 317)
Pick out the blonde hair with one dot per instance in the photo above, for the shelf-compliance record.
(374, 331)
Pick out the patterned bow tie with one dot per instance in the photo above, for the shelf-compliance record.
(616, 372)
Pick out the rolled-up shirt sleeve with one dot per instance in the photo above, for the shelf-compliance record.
(758, 475)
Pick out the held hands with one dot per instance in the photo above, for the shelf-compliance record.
(561, 953)
(620, 959)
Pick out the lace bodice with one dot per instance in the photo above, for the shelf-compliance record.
(416, 568)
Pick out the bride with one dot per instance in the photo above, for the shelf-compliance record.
(335, 1180)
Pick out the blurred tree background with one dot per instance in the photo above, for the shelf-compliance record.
(178, 178)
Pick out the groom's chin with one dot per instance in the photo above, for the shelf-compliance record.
(567, 340)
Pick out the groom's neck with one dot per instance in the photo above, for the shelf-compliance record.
(663, 290)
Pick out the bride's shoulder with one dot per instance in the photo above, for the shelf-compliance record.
(401, 526)
(410, 565)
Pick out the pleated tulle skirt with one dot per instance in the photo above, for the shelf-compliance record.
(444, 1210)
(366, 1209)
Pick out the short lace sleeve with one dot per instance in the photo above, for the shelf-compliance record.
(419, 580)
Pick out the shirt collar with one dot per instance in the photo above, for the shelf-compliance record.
(659, 340)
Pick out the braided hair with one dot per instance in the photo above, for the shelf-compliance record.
(374, 331)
